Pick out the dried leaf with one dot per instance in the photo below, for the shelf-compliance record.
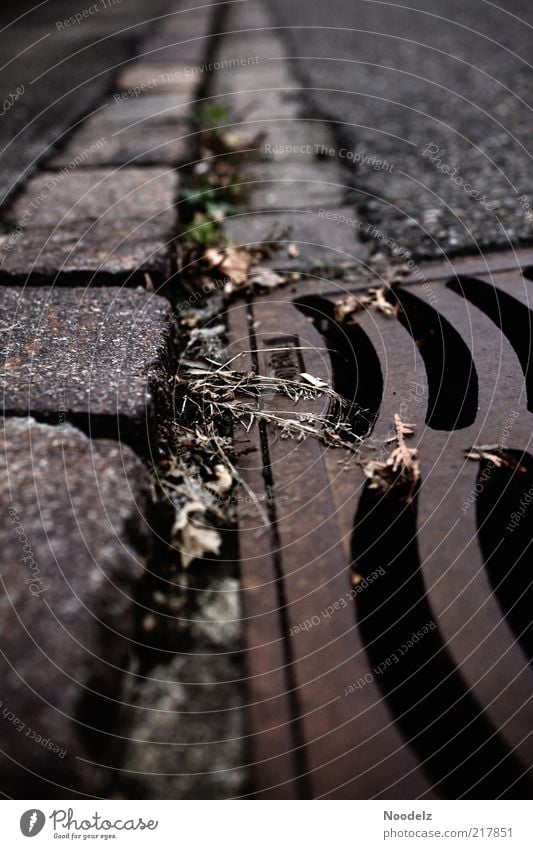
(476, 454)
(265, 278)
(380, 303)
(191, 320)
(213, 257)
(233, 262)
(233, 140)
(236, 265)
(345, 308)
(193, 537)
(495, 455)
(402, 459)
(372, 299)
(223, 482)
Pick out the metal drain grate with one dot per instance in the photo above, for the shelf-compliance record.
(344, 701)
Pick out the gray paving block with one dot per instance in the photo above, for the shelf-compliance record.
(179, 43)
(301, 140)
(146, 143)
(87, 254)
(138, 130)
(184, 25)
(143, 78)
(294, 185)
(101, 358)
(119, 223)
(248, 107)
(322, 237)
(99, 193)
(73, 537)
(252, 14)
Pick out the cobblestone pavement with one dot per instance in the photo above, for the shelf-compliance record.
(139, 140)
(120, 674)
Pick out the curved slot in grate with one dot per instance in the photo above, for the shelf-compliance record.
(355, 365)
(438, 717)
(513, 318)
(504, 512)
(451, 373)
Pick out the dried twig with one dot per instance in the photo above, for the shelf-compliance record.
(242, 395)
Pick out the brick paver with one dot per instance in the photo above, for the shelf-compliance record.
(101, 358)
(72, 536)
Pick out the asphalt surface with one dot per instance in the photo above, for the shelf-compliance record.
(443, 85)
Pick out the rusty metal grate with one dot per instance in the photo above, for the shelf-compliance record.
(332, 713)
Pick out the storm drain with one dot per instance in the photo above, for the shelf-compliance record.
(387, 589)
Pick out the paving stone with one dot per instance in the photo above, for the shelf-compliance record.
(150, 130)
(253, 88)
(264, 44)
(163, 108)
(248, 107)
(120, 223)
(186, 731)
(193, 22)
(322, 237)
(182, 39)
(249, 15)
(294, 185)
(64, 75)
(143, 78)
(299, 140)
(73, 548)
(146, 143)
(97, 193)
(101, 358)
(87, 254)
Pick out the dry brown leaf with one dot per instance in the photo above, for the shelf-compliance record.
(236, 264)
(345, 308)
(223, 482)
(192, 536)
(192, 320)
(233, 262)
(491, 455)
(233, 140)
(213, 257)
(265, 278)
(372, 299)
(402, 459)
(379, 302)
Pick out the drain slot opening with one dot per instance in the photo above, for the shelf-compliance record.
(436, 714)
(505, 530)
(451, 373)
(513, 318)
(355, 365)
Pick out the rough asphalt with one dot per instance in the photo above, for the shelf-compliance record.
(442, 76)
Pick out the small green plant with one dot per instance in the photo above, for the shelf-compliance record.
(203, 232)
(208, 116)
(213, 202)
